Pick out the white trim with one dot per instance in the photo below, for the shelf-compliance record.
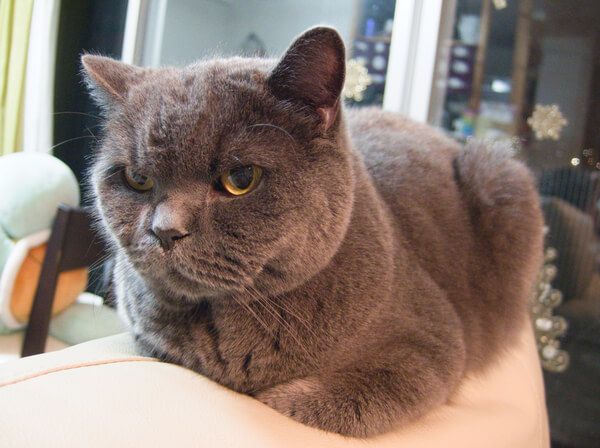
(144, 28)
(413, 53)
(132, 21)
(153, 39)
(399, 60)
(11, 270)
(424, 67)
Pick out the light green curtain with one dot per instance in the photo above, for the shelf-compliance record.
(15, 21)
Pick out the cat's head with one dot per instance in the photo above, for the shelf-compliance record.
(229, 175)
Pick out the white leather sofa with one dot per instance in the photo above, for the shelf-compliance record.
(102, 394)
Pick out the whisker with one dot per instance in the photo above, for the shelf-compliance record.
(110, 175)
(278, 318)
(299, 318)
(208, 276)
(268, 125)
(213, 265)
(253, 313)
(71, 140)
(77, 113)
(89, 130)
(97, 263)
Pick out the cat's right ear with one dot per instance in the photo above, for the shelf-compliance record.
(109, 80)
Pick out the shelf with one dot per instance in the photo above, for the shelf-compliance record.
(385, 39)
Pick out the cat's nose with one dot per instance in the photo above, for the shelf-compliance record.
(168, 226)
(168, 236)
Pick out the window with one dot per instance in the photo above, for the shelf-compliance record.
(182, 31)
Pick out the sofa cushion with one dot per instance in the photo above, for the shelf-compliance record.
(12, 343)
(101, 393)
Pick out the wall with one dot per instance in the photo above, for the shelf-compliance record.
(195, 29)
(203, 28)
(277, 22)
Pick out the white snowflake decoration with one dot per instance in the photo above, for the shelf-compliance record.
(357, 79)
(500, 4)
(547, 122)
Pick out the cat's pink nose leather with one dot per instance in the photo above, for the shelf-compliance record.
(167, 226)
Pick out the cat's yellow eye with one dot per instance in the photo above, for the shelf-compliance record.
(137, 181)
(241, 180)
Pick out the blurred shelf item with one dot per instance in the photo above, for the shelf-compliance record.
(521, 61)
(385, 39)
(481, 54)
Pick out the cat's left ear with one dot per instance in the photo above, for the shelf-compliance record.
(312, 71)
(108, 79)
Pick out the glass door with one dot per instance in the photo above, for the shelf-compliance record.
(177, 32)
(529, 71)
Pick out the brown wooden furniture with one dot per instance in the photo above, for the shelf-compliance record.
(521, 62)
(479, 70)
(73, 244)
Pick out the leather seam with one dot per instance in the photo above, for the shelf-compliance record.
(30, 376)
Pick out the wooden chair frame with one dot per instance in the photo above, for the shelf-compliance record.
(73, 244)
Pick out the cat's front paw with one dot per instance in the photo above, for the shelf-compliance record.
(311, 402)
(293, 399)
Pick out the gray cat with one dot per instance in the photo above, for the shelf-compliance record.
(346, 267)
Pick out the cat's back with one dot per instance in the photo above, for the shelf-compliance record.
(388, 140)
(411, 164)
(469, 215)
(412, 167)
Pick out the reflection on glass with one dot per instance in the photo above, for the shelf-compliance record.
(195, 29)
(371, 46)
(529, 71)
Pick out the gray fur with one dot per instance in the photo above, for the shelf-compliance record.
(376, 265)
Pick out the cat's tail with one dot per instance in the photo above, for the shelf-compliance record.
(504, 208)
